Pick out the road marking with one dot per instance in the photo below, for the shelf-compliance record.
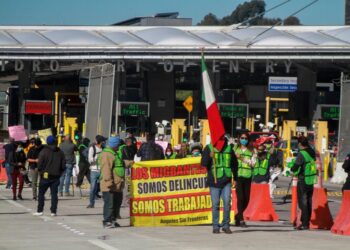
(102, 245)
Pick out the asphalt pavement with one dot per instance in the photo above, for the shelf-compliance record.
(77, 227)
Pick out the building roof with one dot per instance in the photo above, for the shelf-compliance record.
(84, 42)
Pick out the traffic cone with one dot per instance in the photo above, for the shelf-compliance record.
(3, 175)
(294, 205)
(234, 201)
(260, 206)
(342, 221)
(321, 217)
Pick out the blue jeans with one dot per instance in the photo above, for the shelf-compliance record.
(65, 178)
(8, 173)
(225, 194)
(94, 182)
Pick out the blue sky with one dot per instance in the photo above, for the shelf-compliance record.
(104, 12)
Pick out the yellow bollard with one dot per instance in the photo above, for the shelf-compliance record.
(84, 129)
(326, 160)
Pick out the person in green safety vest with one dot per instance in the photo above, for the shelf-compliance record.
(246, 162)
(111, 181)
(261, 172)
(83, 164)
(220, 182)
(169, 153)
(305, 169)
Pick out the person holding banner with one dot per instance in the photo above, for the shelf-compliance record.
(246, 161)
(221, 167)
(111, 181)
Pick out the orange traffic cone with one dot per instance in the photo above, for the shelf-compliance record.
(260, 206)
(294, 205)
(3, 175)
(321, 217)
(342, 221)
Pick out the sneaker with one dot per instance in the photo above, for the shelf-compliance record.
(301, 228)
(14, 198)
(216, 231)
(227, 230)
(38, 214)
(20, 197)
(116, 224)
(90, 206)
(243, 224)
(108, 225)
(53, 214)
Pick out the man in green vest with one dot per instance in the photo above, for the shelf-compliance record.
(305, 169)
(111, 181)
(222, 169)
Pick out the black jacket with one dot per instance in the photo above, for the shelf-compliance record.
(34, 154)
(52, 161)
(17, 160)
(207, 162)
(300, 162)
(129, 153)
(346, 167)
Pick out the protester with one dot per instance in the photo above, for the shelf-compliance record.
(261, 173)
(346, 167)
(84, 170)
(196, 151)
(32, 158)
(112, 181)
(224, 162)
(169, 153)
(17, 160)
(9, 148)
(183, 152)
(51, 165)
(128, 153)
(68, 148)
(94, 152)
(305, 169)
(150, 150)
(246, 161)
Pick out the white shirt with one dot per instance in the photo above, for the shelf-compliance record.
(92, 159)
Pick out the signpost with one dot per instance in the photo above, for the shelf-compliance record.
(230, 110)
(330, 112)
(35, 107)
(188, 104)
(133, 109)
(283, 84)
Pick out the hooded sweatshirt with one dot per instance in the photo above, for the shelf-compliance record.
(52, 161)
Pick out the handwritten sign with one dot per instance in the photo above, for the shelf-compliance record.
(18, 133)
(44, 133)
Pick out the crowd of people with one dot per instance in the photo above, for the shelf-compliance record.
(105, 161)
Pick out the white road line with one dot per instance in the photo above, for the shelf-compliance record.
(102, 245)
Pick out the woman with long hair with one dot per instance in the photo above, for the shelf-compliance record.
(246, 160)
(17, 160)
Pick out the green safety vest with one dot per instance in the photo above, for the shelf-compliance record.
(244, 170)
(81, 146)
(172, 156)
(261, 166)
(222, 162)
(310, 173)
(118, 168)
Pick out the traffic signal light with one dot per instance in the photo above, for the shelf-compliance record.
(77, 135)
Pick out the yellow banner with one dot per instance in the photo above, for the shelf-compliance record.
(44, 133)
(170, 193)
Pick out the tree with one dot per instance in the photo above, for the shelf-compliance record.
(292, 20)
(270, 21)
(245, 11)
(209, 19)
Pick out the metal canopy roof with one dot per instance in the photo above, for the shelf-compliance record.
(103, 42)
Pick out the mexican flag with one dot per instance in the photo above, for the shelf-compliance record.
(216, 126)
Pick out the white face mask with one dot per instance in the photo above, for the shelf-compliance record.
(168, 153)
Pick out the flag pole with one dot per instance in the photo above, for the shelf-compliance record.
(212, 148)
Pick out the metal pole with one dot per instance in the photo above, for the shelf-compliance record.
(267, 112)
(189, 126)
(56, 109)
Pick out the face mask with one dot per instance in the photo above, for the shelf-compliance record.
(168, 153)
(243, 142)
(196, 153)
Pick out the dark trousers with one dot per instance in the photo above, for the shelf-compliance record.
(44, 185)
(84, 171)
(111, 207)
(16, 174)
(305, 201)
(243, 196)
